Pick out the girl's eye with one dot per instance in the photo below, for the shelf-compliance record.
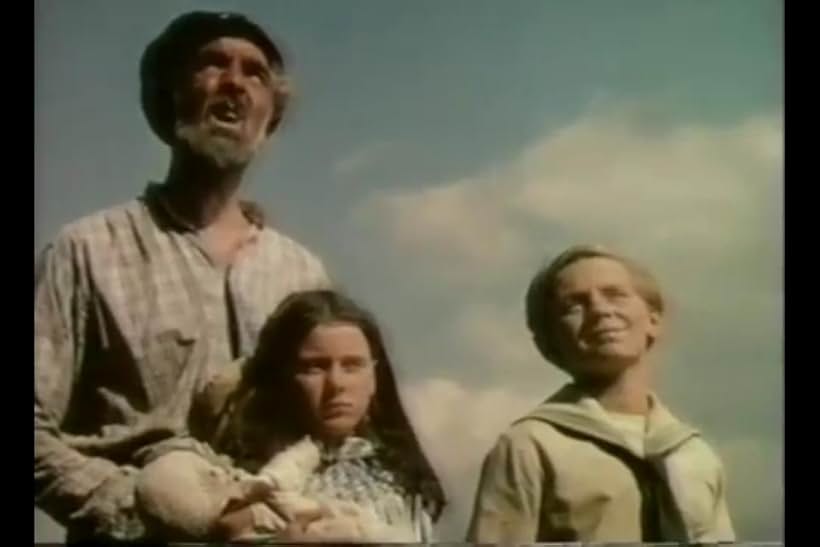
(354, 364)
(310, 366)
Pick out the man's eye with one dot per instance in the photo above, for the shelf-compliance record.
(258, 71)
(210, 60)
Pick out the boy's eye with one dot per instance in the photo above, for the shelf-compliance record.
(617, 294)
(569, 307)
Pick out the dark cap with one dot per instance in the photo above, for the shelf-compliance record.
(173, 49)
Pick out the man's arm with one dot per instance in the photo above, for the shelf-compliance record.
(80, 492)
(511, 492)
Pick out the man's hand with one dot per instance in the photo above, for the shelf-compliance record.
(170, 416)
(136, 429)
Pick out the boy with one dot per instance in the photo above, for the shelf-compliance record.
(602, 459)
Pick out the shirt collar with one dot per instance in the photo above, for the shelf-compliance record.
(153, 197)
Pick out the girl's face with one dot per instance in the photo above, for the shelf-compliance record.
(335, 374)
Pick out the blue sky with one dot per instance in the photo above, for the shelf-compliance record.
(437, 152)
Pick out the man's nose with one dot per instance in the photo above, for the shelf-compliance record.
(232, 79)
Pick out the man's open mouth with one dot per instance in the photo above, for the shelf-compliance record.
(227, 112)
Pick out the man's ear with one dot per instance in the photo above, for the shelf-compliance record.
(283, 86)
(283, 93)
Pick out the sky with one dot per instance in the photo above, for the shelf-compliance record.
(436, 154)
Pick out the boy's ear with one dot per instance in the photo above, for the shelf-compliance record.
(655, 326)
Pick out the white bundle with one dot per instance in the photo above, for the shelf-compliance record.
(183, 493)
(288, 473)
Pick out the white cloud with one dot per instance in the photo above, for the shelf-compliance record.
(457, 426)
(470, 418)
(495, 335)
(609, 179)
(612, 177)
(755, 486)
(494, 342)
(460, 225)
(362, 158)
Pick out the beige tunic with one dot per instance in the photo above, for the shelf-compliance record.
(564, 473)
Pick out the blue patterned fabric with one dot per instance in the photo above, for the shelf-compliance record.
(355, 472)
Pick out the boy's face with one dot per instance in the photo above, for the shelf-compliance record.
(603, 324)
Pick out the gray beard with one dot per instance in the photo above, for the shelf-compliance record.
(220, 151)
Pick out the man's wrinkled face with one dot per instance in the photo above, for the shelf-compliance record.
(224, 102)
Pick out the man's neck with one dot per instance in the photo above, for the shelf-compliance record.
(627, 393)
(202, 196)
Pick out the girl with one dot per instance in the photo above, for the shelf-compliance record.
(317, 414)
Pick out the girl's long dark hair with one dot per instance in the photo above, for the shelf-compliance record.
(267, 411)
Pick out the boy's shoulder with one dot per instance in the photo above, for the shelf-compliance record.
(698, 453)
(528, 434)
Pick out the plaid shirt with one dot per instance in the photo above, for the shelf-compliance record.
(130, 311)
